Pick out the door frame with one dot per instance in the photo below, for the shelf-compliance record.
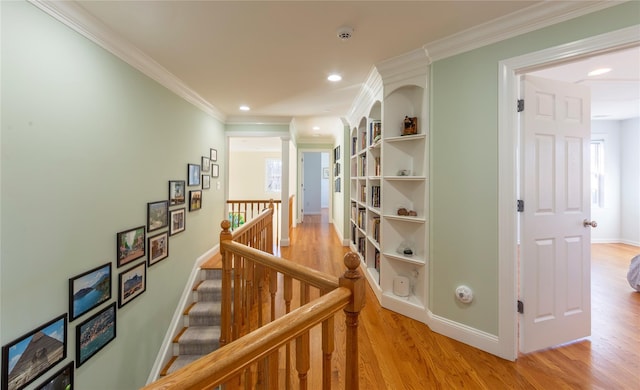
(508, 164)
(300, 173)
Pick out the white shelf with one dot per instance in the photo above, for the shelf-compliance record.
(409, 259)
(404, 218)
(405, 138)
(406, 178)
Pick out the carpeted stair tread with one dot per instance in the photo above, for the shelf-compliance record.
(204, 314)
(199, 340)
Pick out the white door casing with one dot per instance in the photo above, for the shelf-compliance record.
(556, 255)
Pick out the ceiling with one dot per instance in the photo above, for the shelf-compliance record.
(275, 56)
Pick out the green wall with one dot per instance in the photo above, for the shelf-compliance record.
(86, 142)
(464, 161)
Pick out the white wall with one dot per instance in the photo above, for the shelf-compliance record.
(247, 175)
(608, 216)
(630, 183)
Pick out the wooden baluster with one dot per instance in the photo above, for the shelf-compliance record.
(302, 343)
(287, 295)
(269, 246)
(237, 295)
(354, 282)
(328, 346)
(225, 321)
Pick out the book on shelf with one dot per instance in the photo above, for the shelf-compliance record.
(376, 166)
(363, 140)
(354, 145)
(361, 245)
(375, 228)
(375, 196)
(361, 217)
(375, 131)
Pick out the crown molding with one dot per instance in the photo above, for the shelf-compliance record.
(529, 19)
(370, 92)
(258, 120)
(410, 68)
(75, 17)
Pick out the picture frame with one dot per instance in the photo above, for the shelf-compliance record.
(157, 215)
(178, 221)
(195, 200)
(132, 283)
(215, 170)
(206, 182)
(29, 356)
(130, 245)
(205, 165)
(95, 333)
(193, 175)
(89, 290)
(61, 380)
(213, 155)
(158, 248)
(325, 173)
(177, 192)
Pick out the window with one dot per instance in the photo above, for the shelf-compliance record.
(597, 173)
(273, 175)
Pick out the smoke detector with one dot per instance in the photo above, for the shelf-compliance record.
(345, 33)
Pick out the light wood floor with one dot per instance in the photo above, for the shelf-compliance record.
(399, 353)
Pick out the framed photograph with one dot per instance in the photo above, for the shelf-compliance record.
(195, 200)
(206, 182)
(205, 165)
(177, 218)
(215, 170)
(95, 333)
(158, 248)
(213, 155)
(157, 215)
(31, 355)
(61, 380)
(130, 245)
(89, 290)
(177, 192)
(193, 174)
(132, 283)
(325, 173)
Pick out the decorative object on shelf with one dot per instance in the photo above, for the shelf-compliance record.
(410, 126)
(96, 332)
(89, 289)
(401, 286)
(132, 282)
(405, 249)
(404, 172)
(177, 218)
(193, 174)
(157, 215)
(130, 245)
(31, 355)
(403, 211)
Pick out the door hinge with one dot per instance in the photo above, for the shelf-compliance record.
(520, 205)
(520, 105)
(520, 307)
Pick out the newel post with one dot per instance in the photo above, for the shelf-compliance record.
(227, 265)
(354, 282)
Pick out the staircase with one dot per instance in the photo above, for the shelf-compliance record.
(200, 334)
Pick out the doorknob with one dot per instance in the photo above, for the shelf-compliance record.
(586, 223)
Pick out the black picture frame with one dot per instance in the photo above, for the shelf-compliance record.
(206, 182)
(95, 333)
(132, 283)
(195, 200)
(158, 248)
(130, 245)
(177, 192)
(193, 175)
(213, 155)
(89, 290)
(215, 170)
(205, 165)
(61, 380)
(26, 358)
(157, 215)
(178, 221)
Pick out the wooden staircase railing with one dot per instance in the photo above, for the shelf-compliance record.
(252, 344)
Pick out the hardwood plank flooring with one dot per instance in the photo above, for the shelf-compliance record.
(397, 352)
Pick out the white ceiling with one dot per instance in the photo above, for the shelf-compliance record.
(275, 56)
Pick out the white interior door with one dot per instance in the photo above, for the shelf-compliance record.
(555, 273)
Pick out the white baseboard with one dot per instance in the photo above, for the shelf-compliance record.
(614, 241)
(166, 348)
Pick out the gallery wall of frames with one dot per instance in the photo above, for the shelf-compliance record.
(93, 304)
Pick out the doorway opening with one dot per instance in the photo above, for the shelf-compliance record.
(315, 200)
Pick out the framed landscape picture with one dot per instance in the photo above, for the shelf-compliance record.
(132, 283)
(89, 290)
(177, 192)
(157, 215)
(177, 221)
(31, 355)
(61, 380)
(195, 200)
(193, 174)
(158, 248)
(95, 333)
(130, 245)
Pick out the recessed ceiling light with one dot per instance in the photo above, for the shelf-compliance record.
(334, 77)
(599, 71)
(244, 108)
(316, 128)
